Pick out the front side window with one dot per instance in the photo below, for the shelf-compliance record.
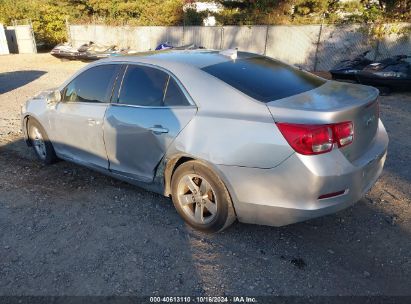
(93, 85)
(150, 87)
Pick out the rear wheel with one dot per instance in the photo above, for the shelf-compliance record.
(201, 197)
(41, 143)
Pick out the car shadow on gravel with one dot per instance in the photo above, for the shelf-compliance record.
(13, 80)
(67, 230)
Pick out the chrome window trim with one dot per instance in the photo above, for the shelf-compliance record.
(120, 88)
(84, 102)
(153, 107)
(166, 87)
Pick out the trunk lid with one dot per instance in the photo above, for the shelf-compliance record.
(334, 102)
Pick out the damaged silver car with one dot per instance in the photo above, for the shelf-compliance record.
(227, 135)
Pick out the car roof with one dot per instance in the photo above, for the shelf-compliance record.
(187, 66)
(195, 58)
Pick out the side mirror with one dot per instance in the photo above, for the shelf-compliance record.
(53, 97)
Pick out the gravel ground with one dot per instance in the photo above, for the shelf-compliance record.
(66, 230)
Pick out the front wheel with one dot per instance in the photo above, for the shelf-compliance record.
(201, 197)
(41, 143)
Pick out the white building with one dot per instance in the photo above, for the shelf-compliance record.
(199, 6)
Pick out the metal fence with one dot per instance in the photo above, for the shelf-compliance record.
(4, 49)
(314, 47)
(26, 43)
(18, 38)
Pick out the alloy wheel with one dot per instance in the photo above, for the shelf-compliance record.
(197, 198)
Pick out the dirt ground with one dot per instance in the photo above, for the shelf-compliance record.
(66, 230)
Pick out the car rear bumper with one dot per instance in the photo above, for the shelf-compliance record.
(290, 192)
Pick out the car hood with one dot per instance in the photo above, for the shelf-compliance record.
(44, 94)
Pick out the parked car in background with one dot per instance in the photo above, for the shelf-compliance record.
(227, 135)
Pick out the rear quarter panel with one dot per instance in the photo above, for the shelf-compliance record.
(230, 128)
(232, 141)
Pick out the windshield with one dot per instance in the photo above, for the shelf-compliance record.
(263, 78)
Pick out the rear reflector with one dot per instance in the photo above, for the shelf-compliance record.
(317, 139)
(329, 195)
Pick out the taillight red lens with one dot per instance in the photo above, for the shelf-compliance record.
(344, 133)
(308, 139)
(317, 139)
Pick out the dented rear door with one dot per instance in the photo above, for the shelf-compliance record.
(149, 112)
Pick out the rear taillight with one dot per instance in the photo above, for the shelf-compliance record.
(308, 139)
(317, 139)
(344, 133)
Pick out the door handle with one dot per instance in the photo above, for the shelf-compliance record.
(158, 130)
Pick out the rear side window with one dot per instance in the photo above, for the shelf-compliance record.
(93, 85)
(174, 96)
(264, 79)
(151, 87)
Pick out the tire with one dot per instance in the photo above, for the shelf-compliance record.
(40, 142)
(201, 197)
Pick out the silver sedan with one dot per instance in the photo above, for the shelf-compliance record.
(227, 135)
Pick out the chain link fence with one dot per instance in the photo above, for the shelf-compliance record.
(312, 47)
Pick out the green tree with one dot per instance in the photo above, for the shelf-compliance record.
(239, 12)
(48, 19)
(244, 12)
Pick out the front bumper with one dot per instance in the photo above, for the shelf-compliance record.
(289, 193)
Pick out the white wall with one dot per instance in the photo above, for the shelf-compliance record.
(4, 49)
(21, 39)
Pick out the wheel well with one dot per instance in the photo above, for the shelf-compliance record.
(26, 129)
(171, 167)
(181, 161)
(26, 120)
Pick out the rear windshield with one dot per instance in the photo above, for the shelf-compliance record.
(264, 79)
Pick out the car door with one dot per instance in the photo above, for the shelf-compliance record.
(146, 115)
(77, 120)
